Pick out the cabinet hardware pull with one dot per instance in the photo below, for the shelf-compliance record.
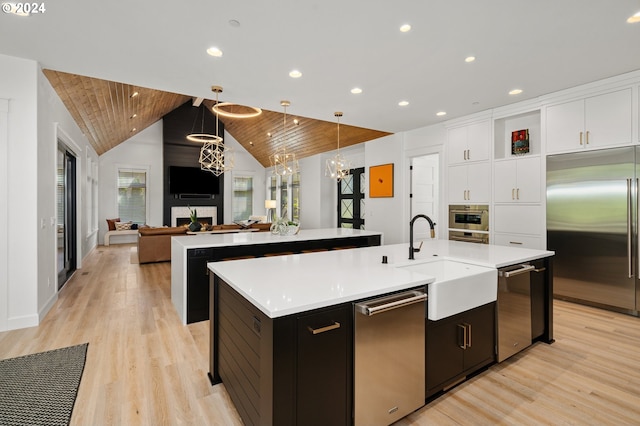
(324, 329)
(464, 336)
(580, 138)
(587, 137)
(512, 193)
(517, 193)
(515, 242)
(540, 269)
(468, 326)
(468, 154)
(464, 154)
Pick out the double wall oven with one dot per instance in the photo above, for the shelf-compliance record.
(469, 223)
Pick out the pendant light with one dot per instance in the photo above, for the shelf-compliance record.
(284, 163)
(215, 156)
(338, 167)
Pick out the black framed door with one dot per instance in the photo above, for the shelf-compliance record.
(66, 215)
(351, 200)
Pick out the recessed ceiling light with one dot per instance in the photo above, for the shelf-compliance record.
(405, 28)
(269, 134)
(296, 121)
(134, 115)
(515, 92)
(134, 94)
(441, 113)
(403, 103)
(634, 18)
(214, 51)
(356, 90)
(470, 59)
(133, 130)
(295, 74)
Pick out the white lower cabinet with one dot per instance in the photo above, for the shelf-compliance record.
(518, 225)
(515, 240)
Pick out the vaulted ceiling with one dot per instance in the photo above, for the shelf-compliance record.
(540, 47)
(109, 113)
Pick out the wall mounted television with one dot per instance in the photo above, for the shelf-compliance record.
(192, 181)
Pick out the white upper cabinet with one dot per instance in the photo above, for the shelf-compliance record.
(593, 122)
(469, 143)
(517, 180)
(469, 183)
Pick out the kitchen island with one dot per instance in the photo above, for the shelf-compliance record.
(269, 317)
(191, 253)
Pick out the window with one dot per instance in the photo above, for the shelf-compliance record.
(286, 190)
(242, 197)
(351, 200)
(132, 195)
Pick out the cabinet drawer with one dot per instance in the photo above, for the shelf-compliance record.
(515, 240)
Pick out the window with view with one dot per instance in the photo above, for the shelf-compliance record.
(242, 197)
(132, 195)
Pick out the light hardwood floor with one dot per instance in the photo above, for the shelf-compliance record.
(145, 368)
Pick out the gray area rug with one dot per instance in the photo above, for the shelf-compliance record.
(41, 389)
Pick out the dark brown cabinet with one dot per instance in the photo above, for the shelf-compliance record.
(323, 379)
(458, 346)
(291, 370)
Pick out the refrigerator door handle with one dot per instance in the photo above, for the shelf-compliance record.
(629, 235)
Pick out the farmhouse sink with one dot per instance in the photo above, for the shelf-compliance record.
(458, 286)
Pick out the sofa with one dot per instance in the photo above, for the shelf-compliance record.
(154, 244)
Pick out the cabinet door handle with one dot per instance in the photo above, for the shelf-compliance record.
(468, 154)
(580, 138)
(517, 193)
(513, 190)
(515, 242)
(587, 138)
(324, 329)
(468, 327)
(463, 328)
(464, 154)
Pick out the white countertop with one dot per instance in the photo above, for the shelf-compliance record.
(285, 285)
(245, 238)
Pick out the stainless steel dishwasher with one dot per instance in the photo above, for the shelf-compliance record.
(389, 357)
(514, 310)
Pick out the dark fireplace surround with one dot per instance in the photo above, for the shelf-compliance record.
(178, 151)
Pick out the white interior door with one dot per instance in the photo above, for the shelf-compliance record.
(424, 192)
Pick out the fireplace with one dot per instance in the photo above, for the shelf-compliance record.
(206, 214)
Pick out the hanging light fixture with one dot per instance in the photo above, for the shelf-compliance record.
(284, 163)
(215, 156)
(338, 167)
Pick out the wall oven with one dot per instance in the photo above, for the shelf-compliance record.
(469, 223)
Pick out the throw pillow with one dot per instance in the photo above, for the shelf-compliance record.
(111, 223)
(123, 226)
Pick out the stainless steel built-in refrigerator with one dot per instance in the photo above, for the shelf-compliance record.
(592, 225)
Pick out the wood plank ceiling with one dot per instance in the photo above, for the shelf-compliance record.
(108, 112)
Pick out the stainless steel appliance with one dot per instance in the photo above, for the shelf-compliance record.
(514, 310)
(469, 223)
(469, 237)
(592, 225)
(469, 217)
(389, 357)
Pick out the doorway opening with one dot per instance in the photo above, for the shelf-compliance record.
(425, 195)
(66, 230)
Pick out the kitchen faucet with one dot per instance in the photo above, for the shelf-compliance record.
(431, 225)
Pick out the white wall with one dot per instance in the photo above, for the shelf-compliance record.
(30, 274)
(143, 150)
(18, 84)
(244, 165)
(385, 214)
(55, 122)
